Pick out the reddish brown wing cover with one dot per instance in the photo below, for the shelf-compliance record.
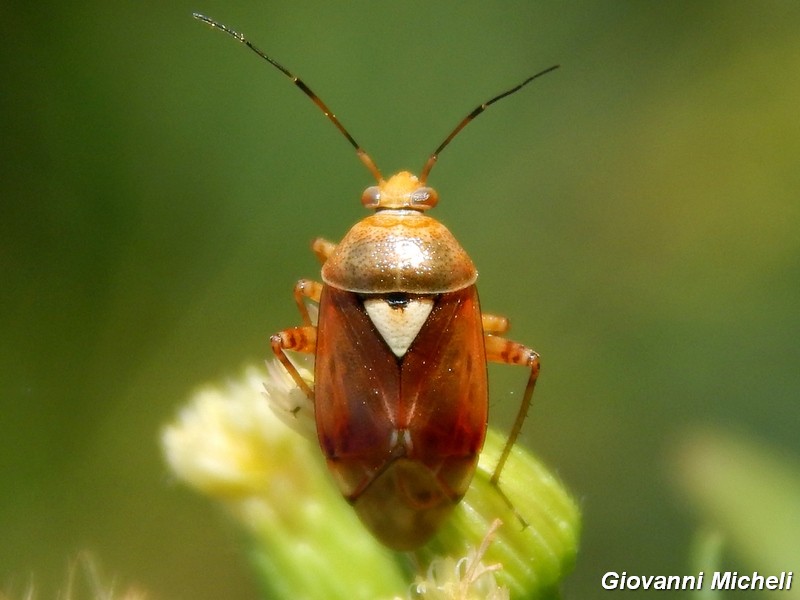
(444, 389)
(365, 397)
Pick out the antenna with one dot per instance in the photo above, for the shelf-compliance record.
(478, 110)
(362, 155)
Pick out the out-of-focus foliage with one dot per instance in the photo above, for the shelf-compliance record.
(748, 493)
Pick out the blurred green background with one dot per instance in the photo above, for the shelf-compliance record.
(635, 214)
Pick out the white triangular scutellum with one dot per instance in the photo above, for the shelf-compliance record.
(398, 325)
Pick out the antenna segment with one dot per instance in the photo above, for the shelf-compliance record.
(362, 155)
(478, 110)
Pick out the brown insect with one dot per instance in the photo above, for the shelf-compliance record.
(401, 345)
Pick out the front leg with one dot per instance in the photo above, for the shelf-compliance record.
(306, 289)
(322, 248)
(299, 339)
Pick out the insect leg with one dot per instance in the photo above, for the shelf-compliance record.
(303, 290)
(501, 350)
(299, 339)
(322, 248)
(494, 324)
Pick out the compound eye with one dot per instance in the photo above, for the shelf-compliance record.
(424, 198)
(371, 198)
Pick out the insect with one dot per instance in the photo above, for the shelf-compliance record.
(401, 347)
